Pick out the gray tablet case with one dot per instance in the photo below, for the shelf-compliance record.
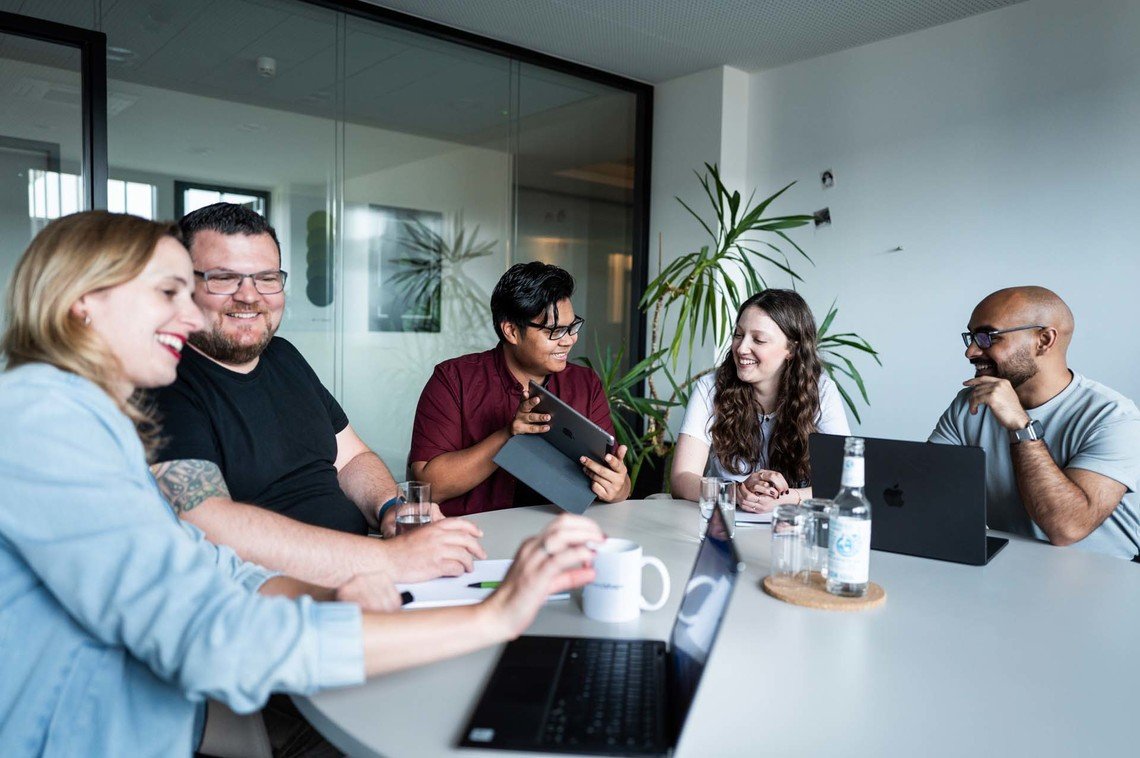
(548, 462)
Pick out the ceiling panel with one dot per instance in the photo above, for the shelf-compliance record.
(657, 40)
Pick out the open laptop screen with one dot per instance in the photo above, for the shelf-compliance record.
(698, 620)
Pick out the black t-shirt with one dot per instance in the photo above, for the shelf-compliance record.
(272, 433)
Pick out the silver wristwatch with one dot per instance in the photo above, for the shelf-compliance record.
(1032, 431)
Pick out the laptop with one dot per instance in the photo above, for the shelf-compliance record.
(609, 696)
(548, 462)
(927, 500)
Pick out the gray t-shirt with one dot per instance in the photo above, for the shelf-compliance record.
(1087, 426)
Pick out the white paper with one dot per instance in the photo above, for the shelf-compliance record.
(748, 517)
(453, 590)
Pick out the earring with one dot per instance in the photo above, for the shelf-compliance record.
(87, 319)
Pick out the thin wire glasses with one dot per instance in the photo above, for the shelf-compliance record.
(984, 339)
(220, 281)
(558, 332)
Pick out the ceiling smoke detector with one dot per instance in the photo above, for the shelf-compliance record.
(267, 67)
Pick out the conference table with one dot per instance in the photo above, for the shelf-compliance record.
(1037, 653)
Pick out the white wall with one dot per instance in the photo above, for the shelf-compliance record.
(997, 150)
(697, 119)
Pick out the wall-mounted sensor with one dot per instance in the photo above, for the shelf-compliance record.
(822, 217)
(267, 66)
(827, 179)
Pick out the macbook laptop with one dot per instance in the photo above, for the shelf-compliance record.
(927, 500)
(609, 696)
(548, 462)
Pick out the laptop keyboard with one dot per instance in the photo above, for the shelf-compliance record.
(609, 698)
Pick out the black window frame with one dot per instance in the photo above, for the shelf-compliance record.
(92, 46)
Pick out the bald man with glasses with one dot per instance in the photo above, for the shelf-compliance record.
(473, 404)
(1062, 451)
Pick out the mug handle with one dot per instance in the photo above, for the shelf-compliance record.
(649, 560)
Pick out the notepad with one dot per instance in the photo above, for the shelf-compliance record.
(453, 590)
(748, 517)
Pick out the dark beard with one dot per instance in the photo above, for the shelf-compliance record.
(1019, 369)
(223, 350)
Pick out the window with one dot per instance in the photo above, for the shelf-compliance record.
(52, 194)
(190, 196)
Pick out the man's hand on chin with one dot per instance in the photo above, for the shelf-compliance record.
(1001, 398)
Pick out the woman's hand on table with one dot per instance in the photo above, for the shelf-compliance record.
(767, 482)
(555, 560)
(748, 499)
(372, 592)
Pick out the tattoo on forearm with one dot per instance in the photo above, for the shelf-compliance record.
(187, 483)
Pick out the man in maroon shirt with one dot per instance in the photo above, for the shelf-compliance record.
(473, 404)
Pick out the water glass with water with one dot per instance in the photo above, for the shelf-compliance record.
(415, 509)
(817, 513)
(726, 500)
(705, 503)
(787, 541)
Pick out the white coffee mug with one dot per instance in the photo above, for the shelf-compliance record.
(615, 593)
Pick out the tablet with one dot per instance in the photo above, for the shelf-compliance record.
(572, 433)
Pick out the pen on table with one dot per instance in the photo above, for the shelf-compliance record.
(484, 585)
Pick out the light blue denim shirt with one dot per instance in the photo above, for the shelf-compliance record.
(117, 620)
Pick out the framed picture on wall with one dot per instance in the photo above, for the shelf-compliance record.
(405, 267)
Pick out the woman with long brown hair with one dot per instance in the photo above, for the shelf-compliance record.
(750, 421)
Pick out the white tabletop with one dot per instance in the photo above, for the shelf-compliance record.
(1034, 654)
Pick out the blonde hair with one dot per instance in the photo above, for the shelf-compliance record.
(71, 257)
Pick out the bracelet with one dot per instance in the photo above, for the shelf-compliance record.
(389, 504)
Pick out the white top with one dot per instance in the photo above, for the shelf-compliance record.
(699, 417)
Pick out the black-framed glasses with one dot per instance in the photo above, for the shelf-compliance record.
(220, 281)
(984, 339)
(558, 332)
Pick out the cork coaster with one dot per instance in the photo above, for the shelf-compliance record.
(792, 590)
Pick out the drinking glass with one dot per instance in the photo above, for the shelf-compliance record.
(817, 515)
(726, 499)
(787, 540)
(709, 499)
(415, 509)
(717, 493)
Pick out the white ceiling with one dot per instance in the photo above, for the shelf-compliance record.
(657, 40)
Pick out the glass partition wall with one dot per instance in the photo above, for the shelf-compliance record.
(404, 171)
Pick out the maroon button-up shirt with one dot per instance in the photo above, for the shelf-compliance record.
(470, 398)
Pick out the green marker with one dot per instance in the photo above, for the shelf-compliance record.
(484, 585)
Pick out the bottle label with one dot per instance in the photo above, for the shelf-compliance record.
(852, 472)
(849, 550)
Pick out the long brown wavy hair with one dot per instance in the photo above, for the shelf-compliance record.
(736, 434)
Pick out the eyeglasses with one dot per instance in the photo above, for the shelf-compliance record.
(984, 339)
(219, 281)
(558, 332)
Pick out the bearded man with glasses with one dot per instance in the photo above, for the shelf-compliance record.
(1062, 451)
(473, 404)
(257, 453)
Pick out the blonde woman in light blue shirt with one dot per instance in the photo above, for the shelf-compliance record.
(117, 620)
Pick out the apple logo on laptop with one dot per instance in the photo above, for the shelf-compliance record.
(568, 433)
(894, 496)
